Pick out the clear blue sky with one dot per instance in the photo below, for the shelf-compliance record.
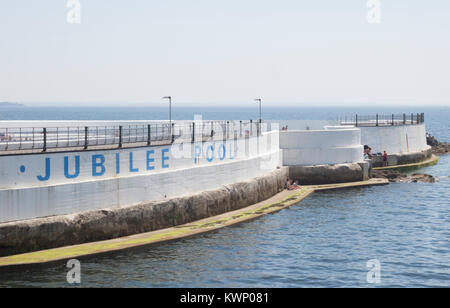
(225, 52)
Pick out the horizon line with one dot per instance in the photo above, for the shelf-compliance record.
(223, 104)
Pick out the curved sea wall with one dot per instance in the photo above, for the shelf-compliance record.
(321, 147)
(403, 159)
(333, 155)
(395, 139)
(330, 174)
(109, 223)
(51, 184)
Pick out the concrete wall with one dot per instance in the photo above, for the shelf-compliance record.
(402, 159)
(321, 147)
(395, 139)
(51, 232)
(42, 185)
(330, 174)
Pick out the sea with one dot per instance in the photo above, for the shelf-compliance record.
(331, 239)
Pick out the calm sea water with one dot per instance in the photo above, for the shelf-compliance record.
(324, 241)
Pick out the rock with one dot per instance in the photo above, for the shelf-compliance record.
(431, 141)
(423, 178)
(438, 147)
(327, 174)
(441, 149)
(396, 176)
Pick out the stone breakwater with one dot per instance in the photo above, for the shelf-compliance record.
(397, 176)
(329, 174)
(57, 231)
(438, 147)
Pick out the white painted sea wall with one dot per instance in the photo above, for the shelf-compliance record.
(41, 185)
(321, 147)
(395, 139)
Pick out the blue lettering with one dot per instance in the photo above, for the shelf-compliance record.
(96, 164)
(231, 151)
(150, 160)
(222, 152)
(117, 163)
(198, 153)
(47, 171)
(164, 158)
(77, 168)
(131, 164)
(210, 150)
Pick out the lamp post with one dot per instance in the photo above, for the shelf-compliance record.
(260, 115)
(170, 112)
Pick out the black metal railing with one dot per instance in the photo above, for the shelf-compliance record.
(92, 137)
(383, 119)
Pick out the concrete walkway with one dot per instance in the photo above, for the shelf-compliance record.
(276, 203)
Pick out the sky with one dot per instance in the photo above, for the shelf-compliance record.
(228, 52)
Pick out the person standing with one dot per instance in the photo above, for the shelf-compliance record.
(385, 159)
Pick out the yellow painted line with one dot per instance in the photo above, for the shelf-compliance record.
(371, 182)
(277, 203)
(429, 162)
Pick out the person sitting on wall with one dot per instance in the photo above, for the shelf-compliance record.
(366, 152)
(288, 184)
(370, 153)
(385, 159)
(296, 186)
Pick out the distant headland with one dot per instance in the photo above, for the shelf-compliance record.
(7, 104)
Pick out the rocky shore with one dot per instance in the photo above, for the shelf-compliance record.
(438, 148)
(396, 176)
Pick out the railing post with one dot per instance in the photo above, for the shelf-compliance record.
(251, 127)
(44, 147)
(418, 121)
(376, 120)
(240, 128)
(149, 134)
(193, 132)
(228, 130)
(172, 129)
(20, 138)
(86, 137)
(212, 131)
(423, 117)
(356, 120)
(120, 136)
(393, 120)
(412, 119)
(404, 119)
